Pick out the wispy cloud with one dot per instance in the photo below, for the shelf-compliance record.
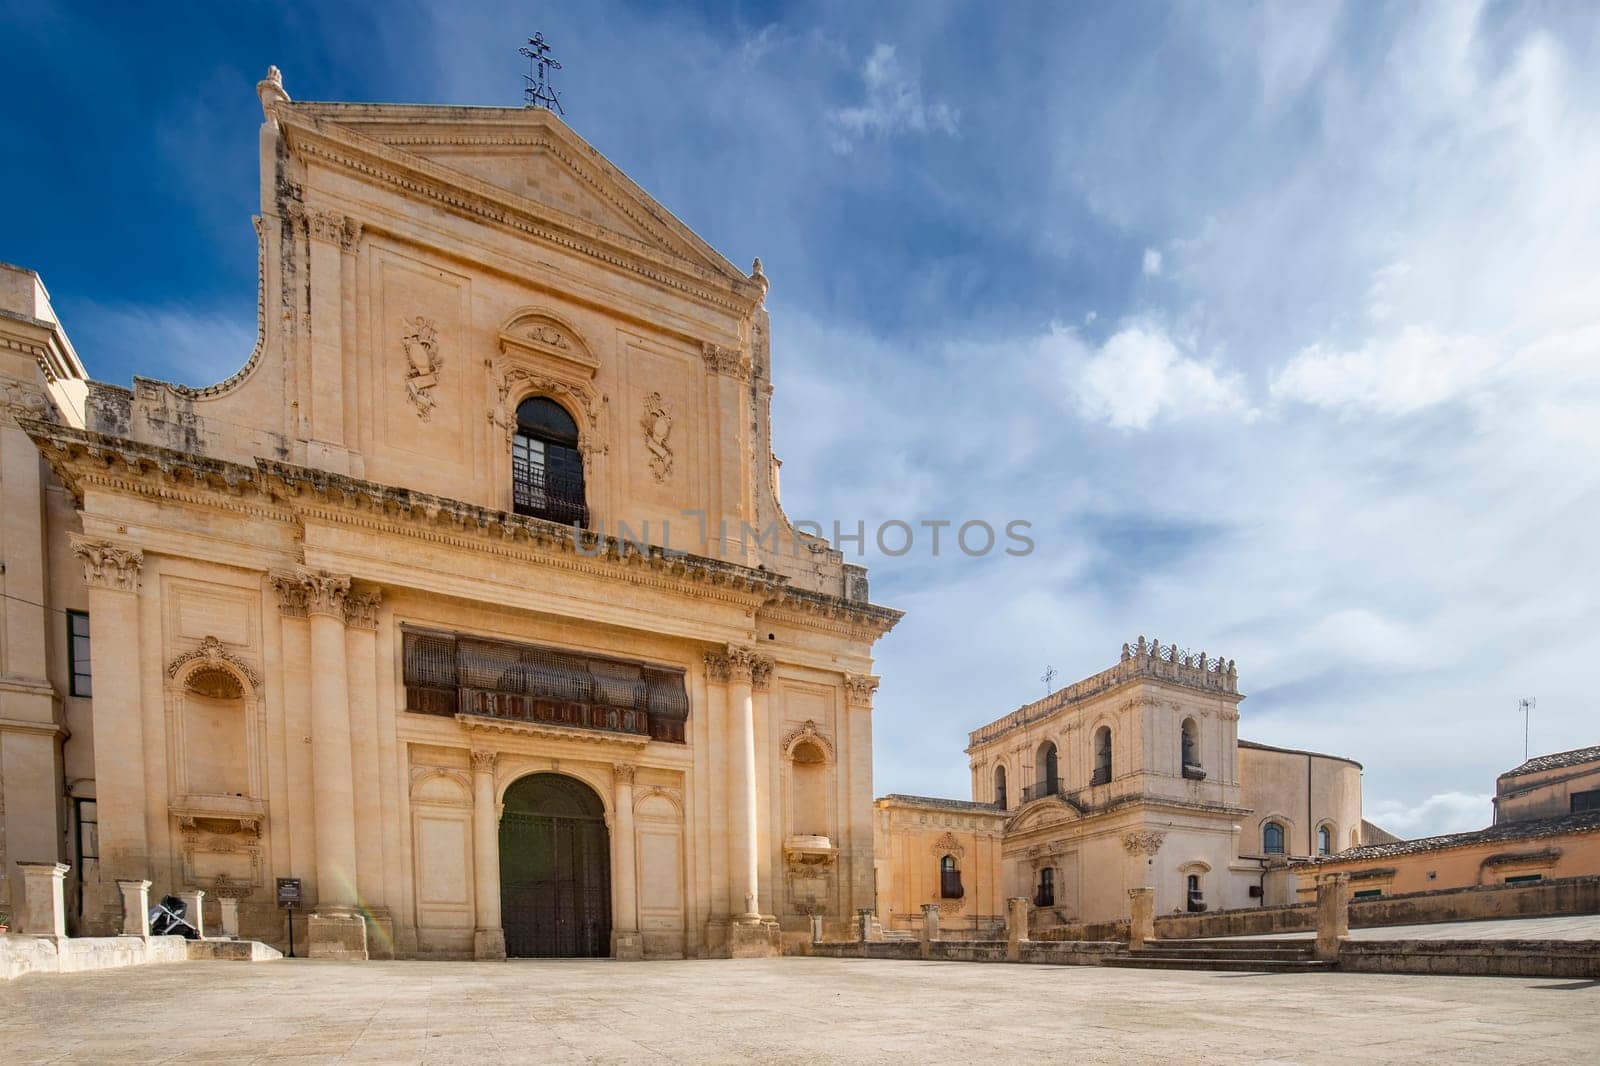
(893, 104)
(1140, 376)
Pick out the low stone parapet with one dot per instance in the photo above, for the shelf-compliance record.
(1474, 958)
(22, 954)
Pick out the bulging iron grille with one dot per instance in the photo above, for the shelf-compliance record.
(449, 674)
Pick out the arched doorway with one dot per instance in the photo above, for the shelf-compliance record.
(555, 869)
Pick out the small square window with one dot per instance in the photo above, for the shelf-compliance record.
(81, 681)
(1524, 879)
(1368, 893)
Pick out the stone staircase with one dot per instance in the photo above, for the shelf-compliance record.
(1253, 956)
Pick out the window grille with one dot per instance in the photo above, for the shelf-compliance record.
(1272, 838)
(949, 879)
(82, 681)
(449, 674)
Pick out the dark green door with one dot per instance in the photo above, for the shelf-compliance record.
(555, 869)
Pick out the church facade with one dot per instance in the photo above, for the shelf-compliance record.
(1134, 777)
(468, 601)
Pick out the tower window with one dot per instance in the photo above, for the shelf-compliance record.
(1272, 838)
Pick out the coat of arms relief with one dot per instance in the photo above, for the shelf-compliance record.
(421, 346)
(657, 425)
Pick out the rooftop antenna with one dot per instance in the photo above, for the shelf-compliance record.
(1526, 706)
(539, 92)
(1049, 676)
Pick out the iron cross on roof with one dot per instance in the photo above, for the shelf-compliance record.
(538, 91)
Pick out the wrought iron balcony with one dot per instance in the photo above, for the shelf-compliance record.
(449, 674)
(540, 493)
(1102, 776)
(1040, 789)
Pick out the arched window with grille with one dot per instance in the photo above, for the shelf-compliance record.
(1049, 764)
(1045, 894)
(546, 466)
(1324, 840)
(1191, 767)
(1000, 787)
(1102, 756)
(1272, 838)
(949, 878)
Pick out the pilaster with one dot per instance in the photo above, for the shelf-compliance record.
(625, 940)
(488, 935)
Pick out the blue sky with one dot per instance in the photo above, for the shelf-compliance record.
(1280, 324)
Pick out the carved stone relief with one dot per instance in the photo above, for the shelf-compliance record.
(657, 425)
(421, 345)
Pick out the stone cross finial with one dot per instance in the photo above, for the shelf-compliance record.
(270, 91)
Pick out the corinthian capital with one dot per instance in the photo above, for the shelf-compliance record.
(483, 761)
(749, 666)
(361, 608)
(325, 592)
(329, 226)
(717, 666)
(291, 594)
(108, 566)
(858, 689)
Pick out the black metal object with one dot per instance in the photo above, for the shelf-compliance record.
(290, 896)
(449, 674)
(950, 879)
(1045, 895)
(1039, 789)
(538, 91)
(555, 870)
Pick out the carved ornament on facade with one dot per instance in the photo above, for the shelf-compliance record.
(623, 772)
(325, 593)
(731, 362)
(657, 425)
(211, 652)
(859, 689)
(1144, 841)
(748, 666)
(109, 566)
(717, 666)
(328, 226)
(483, 762)
(807, 731)
(950, 907)
(21, 399)
(291, 594)
(361, 608)
(522, 382)
(947, 844)
(421, 344)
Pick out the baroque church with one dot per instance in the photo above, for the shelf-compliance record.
(386, 635)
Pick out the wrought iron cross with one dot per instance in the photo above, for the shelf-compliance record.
(538, 91)
(1049, 676)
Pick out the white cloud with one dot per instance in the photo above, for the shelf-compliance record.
(1418, 367)
(893, 104)
(186, 345)
(1444, 812)
(1152, 263)
(1140, 375)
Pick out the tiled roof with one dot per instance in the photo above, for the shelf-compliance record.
(1509, 832)
(943, 804)
(1556, 761)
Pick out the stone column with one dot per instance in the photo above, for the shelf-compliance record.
(930, 927)
(44, 909)
(112, 574)
(745, 887)
(1142, 916)
(489, 936)
(195, 900)
(816, 928)
(625, 942)
(335, 928)
(1016, 927)
(366, 770)
(229, 906)
(135, 908)
(1333, 914)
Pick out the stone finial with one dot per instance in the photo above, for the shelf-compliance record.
(270, 91)
(759, 276)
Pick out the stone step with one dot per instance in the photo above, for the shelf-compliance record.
(1163, 961)
(1230, 945)
(1226, 953)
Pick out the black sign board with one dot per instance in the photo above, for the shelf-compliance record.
(289, 892)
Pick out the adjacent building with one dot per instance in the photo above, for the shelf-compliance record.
(467, 602)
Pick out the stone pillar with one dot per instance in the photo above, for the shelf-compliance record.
(112, 576)
(816, 928)
(1142, 916)
(366, 768)
(229, 906)
(489, 936)
(625, 941)
(745, 888)
(195, 901)
(930, 927)
(335, 929)
(1017, 908)
(1333, 914)
(44, 909)
(864, 924)
(135, 908)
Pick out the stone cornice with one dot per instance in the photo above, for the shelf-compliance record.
(418, 177)
(285, 492)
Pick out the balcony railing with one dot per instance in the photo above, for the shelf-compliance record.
(1040, 789)
(1101, 776)
(538, 492)
(450, 674)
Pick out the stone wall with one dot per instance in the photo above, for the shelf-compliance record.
(1542, 899)
(21, 954)
(1483, 958)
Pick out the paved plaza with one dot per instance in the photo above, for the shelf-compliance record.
(783, 1010)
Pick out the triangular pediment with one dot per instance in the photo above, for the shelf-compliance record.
(533, 158)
